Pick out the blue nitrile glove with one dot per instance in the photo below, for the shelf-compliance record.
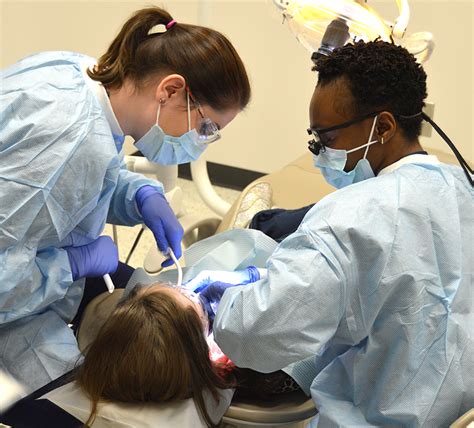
(160, 219)
(211, 296)
(95, 259)
(207, 277)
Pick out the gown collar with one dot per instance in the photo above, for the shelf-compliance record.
(99, 91)
(414, 158)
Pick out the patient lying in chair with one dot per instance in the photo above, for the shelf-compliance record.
(155, 348)
(152, 363)
(152, 349)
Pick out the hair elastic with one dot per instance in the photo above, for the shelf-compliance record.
(170, 24)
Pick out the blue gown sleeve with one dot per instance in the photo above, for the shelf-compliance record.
(123, 209)
(33, 280)
(295, 310)
(59, 170)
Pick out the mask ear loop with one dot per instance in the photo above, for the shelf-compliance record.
(366, 151)
(368, 144)
(162, 101)
(189, 112)
(370, 137)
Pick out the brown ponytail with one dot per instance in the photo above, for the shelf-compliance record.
(204, 57)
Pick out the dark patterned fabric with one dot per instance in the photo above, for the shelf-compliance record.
(252, 384)
(278, 223)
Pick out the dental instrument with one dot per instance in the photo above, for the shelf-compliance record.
(109, 283)
(178, 266)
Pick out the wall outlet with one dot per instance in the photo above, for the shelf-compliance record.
(426, 128)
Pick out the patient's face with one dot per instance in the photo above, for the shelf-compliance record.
(185, 298)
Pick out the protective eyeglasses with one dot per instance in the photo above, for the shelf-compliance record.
(322, 136)
(207, 129)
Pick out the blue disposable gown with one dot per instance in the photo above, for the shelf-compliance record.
(375, 292)
(61, 179)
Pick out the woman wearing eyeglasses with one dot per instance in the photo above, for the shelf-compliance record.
(371, 297)
(170, 86)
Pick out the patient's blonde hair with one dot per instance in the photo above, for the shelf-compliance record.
(151, 349)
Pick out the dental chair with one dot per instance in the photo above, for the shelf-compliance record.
(465, 421)
(293, 410)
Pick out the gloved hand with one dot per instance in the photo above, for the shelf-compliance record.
(160, 219)
(240, 277)
(95, 259)
(210, 298)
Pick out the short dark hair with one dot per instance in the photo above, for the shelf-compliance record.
(381, 76)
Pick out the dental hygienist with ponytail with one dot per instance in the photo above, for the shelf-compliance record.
(64, 117)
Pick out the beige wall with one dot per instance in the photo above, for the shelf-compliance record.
(271, 132)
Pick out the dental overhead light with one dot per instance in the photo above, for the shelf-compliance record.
(323, 25)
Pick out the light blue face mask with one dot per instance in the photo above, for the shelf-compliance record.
(165, 149)
(331, 162)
